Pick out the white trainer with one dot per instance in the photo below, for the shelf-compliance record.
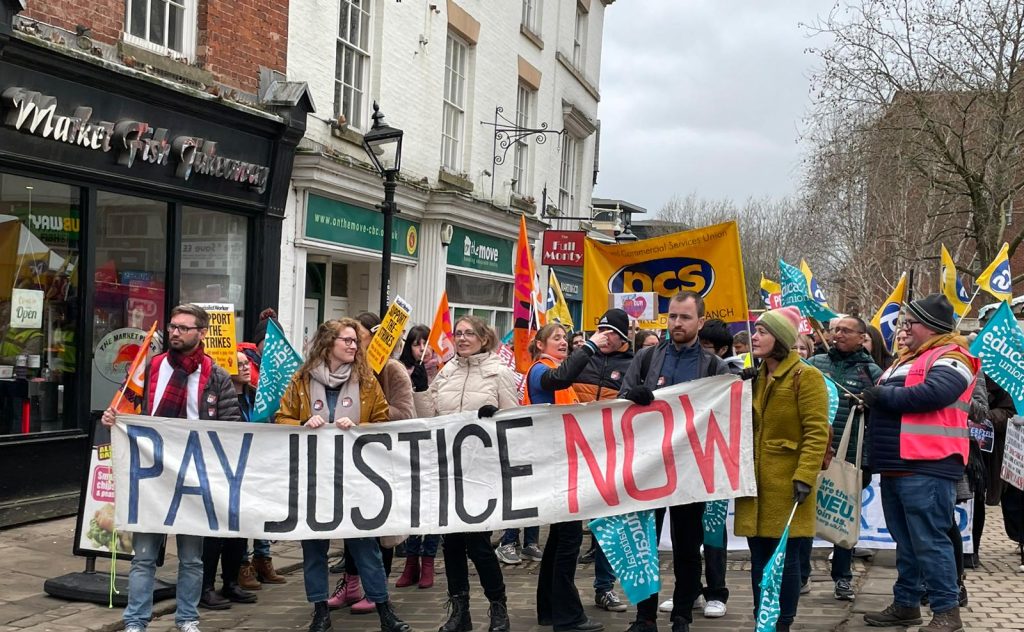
(714, 609)
(666, 606)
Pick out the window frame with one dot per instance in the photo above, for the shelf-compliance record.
(530, 19)
(453, 115)
(362, 57)
(189, 33)
(568, 180)
(522, 173)
(579, 38)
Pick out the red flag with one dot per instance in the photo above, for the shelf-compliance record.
(523, 305)
(129, 396)
(440, 339)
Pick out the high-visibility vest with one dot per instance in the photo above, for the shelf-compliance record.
(562, 396)
(937, 434)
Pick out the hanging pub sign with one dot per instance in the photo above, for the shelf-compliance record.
(131, 141)
(563, 248)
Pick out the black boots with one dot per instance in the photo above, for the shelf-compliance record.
(321, 618)
(499, 616)
(458, 620)
(389, 621)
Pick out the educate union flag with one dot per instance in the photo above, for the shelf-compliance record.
(278, 364)
(1000, 347)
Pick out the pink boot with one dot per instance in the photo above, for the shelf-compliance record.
(364, 606)
(347, 592)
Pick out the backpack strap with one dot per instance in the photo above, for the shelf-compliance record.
(645, 364)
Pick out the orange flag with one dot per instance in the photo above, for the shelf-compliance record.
(524, 314)
(129, 397)
(440, 339)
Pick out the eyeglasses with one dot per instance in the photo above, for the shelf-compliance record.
(469, 333)
(172, 328)
(348, 342)
(845, 330)
(244, 364)
(907, 324)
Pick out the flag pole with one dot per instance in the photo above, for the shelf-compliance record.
(968, 308)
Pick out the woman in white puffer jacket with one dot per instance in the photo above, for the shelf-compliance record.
(474, 379)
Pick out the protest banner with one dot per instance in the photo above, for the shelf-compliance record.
(797, 293)
(221, 341)
(707, 261)
(280, 362)
(388, 334)
(1000, 347)
(1013, 454)
(530, 466)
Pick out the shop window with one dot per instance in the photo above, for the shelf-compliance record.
(213, 260)
(39, 309)
(165, 26)
(478, 291)
(339, 280)
(129, 290)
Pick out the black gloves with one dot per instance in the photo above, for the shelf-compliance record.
(801, 491)
(640, 395)
(870, 395)
(748, 373)
(486, 411)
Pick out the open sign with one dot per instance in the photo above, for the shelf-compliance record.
(26, 309)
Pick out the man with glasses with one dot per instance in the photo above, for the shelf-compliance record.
(852, 368)
(183, 383)
(919, 442)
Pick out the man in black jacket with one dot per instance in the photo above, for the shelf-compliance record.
(676, 360)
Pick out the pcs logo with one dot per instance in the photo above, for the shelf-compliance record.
(665, 277)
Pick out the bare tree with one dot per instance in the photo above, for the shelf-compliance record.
(922, 101)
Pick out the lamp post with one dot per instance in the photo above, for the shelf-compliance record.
(383, 144)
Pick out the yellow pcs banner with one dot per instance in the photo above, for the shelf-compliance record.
(707, 261)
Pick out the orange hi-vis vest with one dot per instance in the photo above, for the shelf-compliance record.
(937, 434)
(562, 396)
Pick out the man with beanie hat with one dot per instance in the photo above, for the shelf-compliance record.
(679, 358)
(919, 442)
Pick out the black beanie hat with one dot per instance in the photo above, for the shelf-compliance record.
(935, 312)
(615, 319)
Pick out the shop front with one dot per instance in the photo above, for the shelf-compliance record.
(120, 196)
(479, 279)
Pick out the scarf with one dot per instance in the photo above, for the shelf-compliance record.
(347, 404)
(174, 401)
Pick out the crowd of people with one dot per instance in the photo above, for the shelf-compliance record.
(914, 405)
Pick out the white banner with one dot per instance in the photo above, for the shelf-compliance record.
(528, 466)
(1013, 454)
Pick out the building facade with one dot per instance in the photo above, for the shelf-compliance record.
(445, 73)
(146, 149)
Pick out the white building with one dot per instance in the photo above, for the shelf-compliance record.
(438, 70)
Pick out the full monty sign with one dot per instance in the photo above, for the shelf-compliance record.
(527, 466)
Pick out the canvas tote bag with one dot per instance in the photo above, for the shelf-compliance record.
(839, 492)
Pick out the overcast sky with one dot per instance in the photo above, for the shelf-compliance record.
(703, 96)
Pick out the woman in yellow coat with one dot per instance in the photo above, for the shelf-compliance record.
(790, 438)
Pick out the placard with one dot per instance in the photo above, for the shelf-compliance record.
(1013, 454)
(388, 334)
(221, 342)
(642, 306)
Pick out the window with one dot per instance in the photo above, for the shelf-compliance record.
(213, 259)
(39, 308)
(531, 15)
(353, 60)
(521, 159)
(579, 38)
(165, 26)
(454, 114)
(567, 180)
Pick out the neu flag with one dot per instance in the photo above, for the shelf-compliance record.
(771, 293)
(996, 279)
(888, 314)
(280, 362)
(797, 293)
(1000, 347)
(557, 308)
(630, 543)
(129, 397)
(768, 609)
(815, 290)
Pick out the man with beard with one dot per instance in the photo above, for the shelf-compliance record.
(183, 383)
(678, 359)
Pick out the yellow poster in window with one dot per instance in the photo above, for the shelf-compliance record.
(706, 260)
(221, 340)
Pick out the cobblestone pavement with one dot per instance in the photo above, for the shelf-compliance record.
(29, 555)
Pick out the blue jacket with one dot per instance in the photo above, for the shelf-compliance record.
(943, 385)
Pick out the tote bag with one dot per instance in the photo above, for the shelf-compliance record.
(839, 493)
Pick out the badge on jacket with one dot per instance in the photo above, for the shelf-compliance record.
(346, 402)
(318, 405)
(615, 375)
(211, 399)
(661, 381)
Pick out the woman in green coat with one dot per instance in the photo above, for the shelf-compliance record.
(790, 437)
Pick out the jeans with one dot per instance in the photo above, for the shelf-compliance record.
(715, 559)
(919, 512)
(687, 523)
(761, 550)
(842, 564)
(364, 552)
(143, 572)
(558, 600)
(425, 545)
(511, 536)
(806, 545)
(604, 576)
(459, 548)
(227, 552)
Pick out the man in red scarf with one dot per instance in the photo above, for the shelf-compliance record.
(183, 383)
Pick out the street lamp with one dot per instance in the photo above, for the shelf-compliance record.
(383, 144)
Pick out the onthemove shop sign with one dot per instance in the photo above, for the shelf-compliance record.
(480, 251)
